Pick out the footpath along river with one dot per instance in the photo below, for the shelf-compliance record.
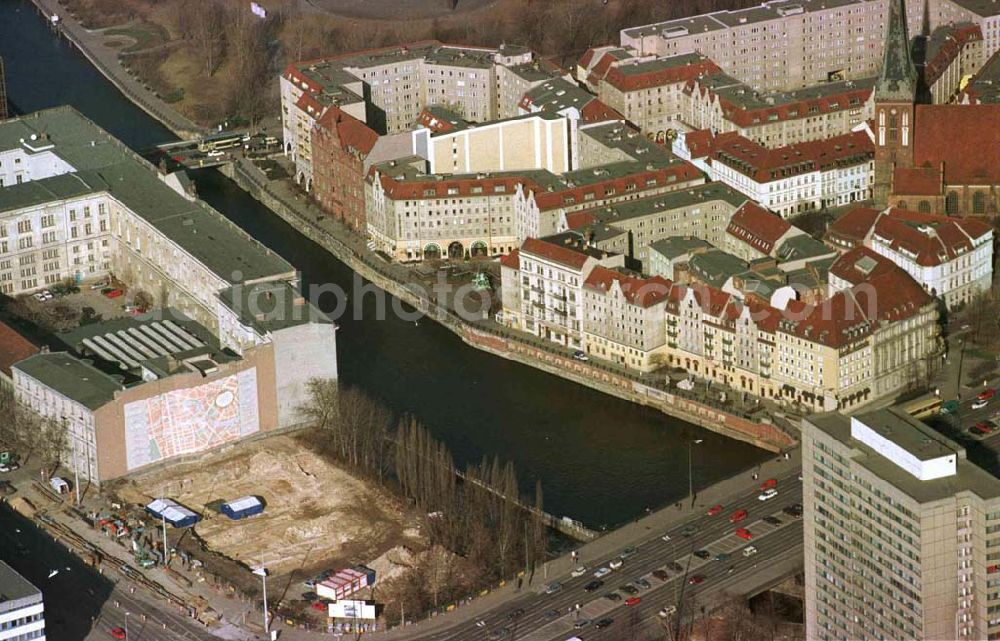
(600, 459)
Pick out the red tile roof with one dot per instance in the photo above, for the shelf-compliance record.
(757, 227)
(918, 181)
(556, 253)
(353, 134)
(644, 292)
(848, 266)
(946, 133)
(764, 165)
(580, 219)
(597, 111)
(429, 187)
(853, 227)
(699, 143)
(681, 173)
(789, 111)
(14, 347)
(625, 82)
(512, 260)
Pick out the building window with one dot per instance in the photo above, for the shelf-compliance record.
(924, 207)
(979, 203)
(951, 203)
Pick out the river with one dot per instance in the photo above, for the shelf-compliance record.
(600, 459)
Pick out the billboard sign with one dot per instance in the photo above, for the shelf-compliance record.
(352, 609)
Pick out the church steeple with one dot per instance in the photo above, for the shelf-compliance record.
(898, 80)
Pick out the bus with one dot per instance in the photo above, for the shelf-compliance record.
(225, 141)
(922, 408)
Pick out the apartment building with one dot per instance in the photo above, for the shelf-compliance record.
(22, 611)
(899, 532)
(77, 204)
(648, 91)
(952, 258)
(563, 96)
(723, 104)
(542, 284)
(984, 87)
(541, 140)
(779, 45)
(387, 88)
(788, 180)
(624, 318)
(953, 53)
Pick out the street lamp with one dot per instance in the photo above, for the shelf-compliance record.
(126, 624)
(691, 470)
(262, 573)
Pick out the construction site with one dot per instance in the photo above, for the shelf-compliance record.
(316, 515)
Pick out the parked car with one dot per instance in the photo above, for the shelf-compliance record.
(581, 624)
(629, 589)
(117, 633)
(696, 579)
(580, 356)
(722, 556)
(738, 516)
(794, 510)
(633, 601)
(986, 394)
(613, 596)
(616, 564)
(750, 550)
(8, 467)
(603, 623)
(593, 585)
(43, 295)
(674, 566)
(702, 554)
(769, 493)
(949, 407)
(599, 572)
(553, 587)
(516, 613)
(769, 484)
(112, 293)
(773, 520)
(667, 611)
(642, 583)
(627, 552)
(101, 284)
(553, 614)
(661, 575)
(715, 510)
(579, 570)
(744, 533)
(665, 537)
(689, 530)
(979, 404)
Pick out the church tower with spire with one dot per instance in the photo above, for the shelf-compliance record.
(895, 95)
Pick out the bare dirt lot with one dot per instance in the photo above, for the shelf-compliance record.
(318, 516)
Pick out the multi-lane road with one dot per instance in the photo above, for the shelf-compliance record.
(540, 616)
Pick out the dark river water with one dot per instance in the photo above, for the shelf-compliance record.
(601, 460)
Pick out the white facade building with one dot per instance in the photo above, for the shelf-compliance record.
(22, 612)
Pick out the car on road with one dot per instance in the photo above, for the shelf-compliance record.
(702, 554)
(515, 614)
(722, 556)
(697, 579)
(667, 611)
(674, 566)
(715, 510)
(553, 587)
(633, 601)
(581, 624)
(769, 484)
(689, 530)
(613, 596)
(750, 550)
(627, 552)
(628, 588)
(599, 572)
(979, 404)
(769, 493)
(117, 633)
(593, 585)
(665, 537)
(553, 614)
(986, 394)
(772, 520)
(794, 510)
(616, 564)
(642, 584)
(498, 633)
(661, 575)
(603, 623)
(579, 570)
(481, 623)
(580, 356)
(738, 516)
(744, 533)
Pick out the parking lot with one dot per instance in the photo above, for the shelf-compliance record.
(60, 308)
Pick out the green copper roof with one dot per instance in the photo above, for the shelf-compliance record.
(898, 81)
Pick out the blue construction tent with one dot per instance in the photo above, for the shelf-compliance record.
(173, 513)
(242, 508)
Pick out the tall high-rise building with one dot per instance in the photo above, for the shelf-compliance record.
(902, 532)
(22, 613)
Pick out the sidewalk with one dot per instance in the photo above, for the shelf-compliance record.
(641, 530)
(105, 59)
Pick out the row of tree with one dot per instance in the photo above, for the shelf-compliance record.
(25, 432)
(477, 514)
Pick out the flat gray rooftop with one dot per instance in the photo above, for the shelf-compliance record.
(15, 590)
(72, 377)
(104, 164)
